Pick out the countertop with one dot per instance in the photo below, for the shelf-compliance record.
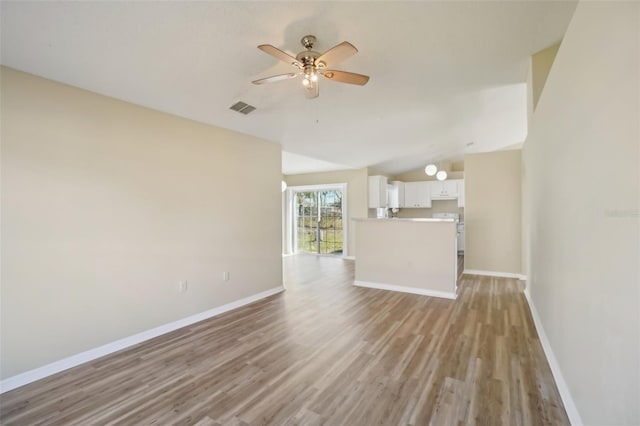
(398, 219)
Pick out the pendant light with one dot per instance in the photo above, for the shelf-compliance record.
(431, 169)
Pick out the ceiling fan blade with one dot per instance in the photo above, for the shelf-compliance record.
(312, 91)
(275, 78)
(337, 54)
(346, 77)
(279, 54)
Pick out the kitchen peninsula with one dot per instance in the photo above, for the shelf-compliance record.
(408, 255)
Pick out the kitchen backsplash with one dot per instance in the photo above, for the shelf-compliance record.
(438, 206)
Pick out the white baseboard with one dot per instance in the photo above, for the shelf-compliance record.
(495, 274)
(567, 400)
(402, 289)
(349, 257)
(27, 377)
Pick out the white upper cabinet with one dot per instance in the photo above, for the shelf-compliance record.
(377, 192)
(416, 194)
(444, 189)
(395, 195)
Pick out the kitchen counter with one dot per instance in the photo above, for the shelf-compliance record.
(409, 255)
(400, 219)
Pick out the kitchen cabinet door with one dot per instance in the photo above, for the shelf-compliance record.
(395, 193)
(416, 195)
(444, 190)
(377, 192)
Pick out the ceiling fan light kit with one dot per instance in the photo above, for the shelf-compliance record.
(312, 64)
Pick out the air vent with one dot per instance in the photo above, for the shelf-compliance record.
(242, 107)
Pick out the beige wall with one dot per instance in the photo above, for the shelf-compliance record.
(525, 241)
(582, 157)
(107, 205)
(357, 192)
(539, 69)
(493, 212)
(541, 63)
(418, 255)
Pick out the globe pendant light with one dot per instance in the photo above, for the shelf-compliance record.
(431, 169)
(441, 175)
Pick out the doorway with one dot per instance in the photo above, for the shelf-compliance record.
(318, 224)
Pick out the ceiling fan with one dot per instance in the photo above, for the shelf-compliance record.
(312, 64)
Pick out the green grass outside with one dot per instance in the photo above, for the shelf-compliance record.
(330, 235)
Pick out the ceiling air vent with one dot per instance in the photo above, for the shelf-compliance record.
(242, 107)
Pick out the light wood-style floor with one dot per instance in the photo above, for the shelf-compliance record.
(323, 352)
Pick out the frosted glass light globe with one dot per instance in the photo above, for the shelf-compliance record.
(441, 175)
(431, 169)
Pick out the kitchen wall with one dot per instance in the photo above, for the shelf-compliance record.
(437, 206)
(493, 212)
(582, 160)
(357, 192)
(107, 205)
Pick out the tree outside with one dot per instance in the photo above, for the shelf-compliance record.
(319, 222)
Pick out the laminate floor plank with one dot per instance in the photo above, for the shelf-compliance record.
(322, 353)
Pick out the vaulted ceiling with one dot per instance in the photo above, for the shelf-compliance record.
(447, 77)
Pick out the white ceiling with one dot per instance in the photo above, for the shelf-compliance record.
(443, 73)
(296, 164)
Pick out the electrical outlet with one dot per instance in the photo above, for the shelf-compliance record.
(225, 276)
(182, 286)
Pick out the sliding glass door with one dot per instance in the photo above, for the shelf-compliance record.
(317, 223)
